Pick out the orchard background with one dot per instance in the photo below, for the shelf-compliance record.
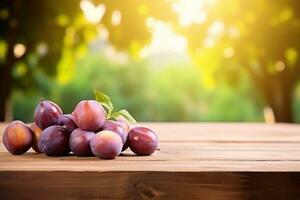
(163, 60)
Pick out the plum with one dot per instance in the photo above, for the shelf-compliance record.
(106, 144)
(47, 114)
(54, 141)
(17, 137)
(89, 115)
(72, 117)
(67, 122)
(126, 125)
(126, 145)
(36, 135)
(110, 125)
(142, 141)
(80, 142)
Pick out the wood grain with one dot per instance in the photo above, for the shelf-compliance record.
(195, 161)
(149, 185)
(187, 147)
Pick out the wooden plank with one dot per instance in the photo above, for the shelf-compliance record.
(171, 157)
(195, 161)
(203, 147)
(149, 185)
(226, 132)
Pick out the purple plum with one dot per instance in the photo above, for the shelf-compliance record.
(89, 115)
(46, 114)
(142, 141)
(36, 135)
(54, 141)
(110, 125)
(67, 122)
(80, 142)
(17, 137)
(106, 144)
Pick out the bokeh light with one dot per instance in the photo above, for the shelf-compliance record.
(197, 60)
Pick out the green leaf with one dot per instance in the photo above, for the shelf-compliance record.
(124, 113)
(105, 101)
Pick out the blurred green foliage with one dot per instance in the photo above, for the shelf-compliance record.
(227, 60)
(256, 38)
(171, 92)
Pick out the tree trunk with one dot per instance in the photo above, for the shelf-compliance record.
(5, 77)
(283, 113)
(6, 68)
(277, 90)
(4, 94)
(281, 102)
(3, 99)
(6, 82)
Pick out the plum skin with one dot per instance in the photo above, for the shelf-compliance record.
(54, 141)
(125, 146)
(110, 125)
(80, 142)
(142, 141)
(126, 125)
(17, 137)
(106, 144)
(67, 121)
(89, 115)
(46, 114)
(36, 133)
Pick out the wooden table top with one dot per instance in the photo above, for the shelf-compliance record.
(186, 147)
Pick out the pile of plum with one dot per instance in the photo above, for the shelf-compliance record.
(85, 132)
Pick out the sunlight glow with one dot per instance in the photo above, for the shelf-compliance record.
(42, 48)
(190, 12)
(164, 39)
(214, 32)
(19, 50)
(103, 33)
(116, 18)
(91, 12)
(233, 32)
(217, 28)
(209, 42)
(115, 56)
(228, 52)
(280, 66)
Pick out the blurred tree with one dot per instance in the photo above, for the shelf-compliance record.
(39, 38)
(178, 80)
(257, 38)
(32, 34)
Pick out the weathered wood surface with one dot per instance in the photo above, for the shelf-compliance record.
(195, 161)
